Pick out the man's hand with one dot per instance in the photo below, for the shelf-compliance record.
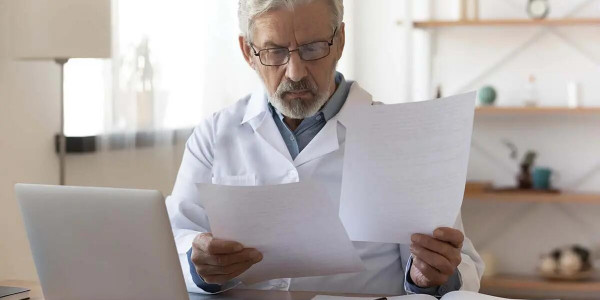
(218, 261)
(435, 258)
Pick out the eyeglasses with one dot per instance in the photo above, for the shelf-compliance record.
(280, 56)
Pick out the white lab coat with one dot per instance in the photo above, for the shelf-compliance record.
(241, 145)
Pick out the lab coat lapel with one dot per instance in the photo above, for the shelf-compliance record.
(327, 140)
(258, 116)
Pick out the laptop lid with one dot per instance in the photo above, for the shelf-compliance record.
(101, 243)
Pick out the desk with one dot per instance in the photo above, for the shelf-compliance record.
(36, 293)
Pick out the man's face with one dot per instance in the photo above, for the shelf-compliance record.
(299, 88)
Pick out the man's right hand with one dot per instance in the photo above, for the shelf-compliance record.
(218, 261)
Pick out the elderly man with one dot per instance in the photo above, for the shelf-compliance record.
(290, 130)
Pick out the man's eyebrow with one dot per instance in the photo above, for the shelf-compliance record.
(271, 44)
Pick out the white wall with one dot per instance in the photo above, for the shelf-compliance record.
(379, 52)
(29, 110)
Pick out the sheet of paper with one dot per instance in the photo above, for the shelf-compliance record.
(406, 297)
(458, 295)
(468, 295)
(405, 168)
(295, 226)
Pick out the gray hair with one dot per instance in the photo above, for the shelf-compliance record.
(249, 9)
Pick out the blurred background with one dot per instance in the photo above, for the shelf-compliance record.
(533, 197)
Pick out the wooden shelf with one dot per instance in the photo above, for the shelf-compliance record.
(506, 22)
(507, 110)
(517, 284)
(530, 196)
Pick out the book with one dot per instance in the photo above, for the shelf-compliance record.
(458, 295)
(13, 293)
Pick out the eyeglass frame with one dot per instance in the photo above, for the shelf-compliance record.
(329, 43)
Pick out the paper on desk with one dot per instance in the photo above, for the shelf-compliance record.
(458, 295)
(405, 168)
(406, 297)
(295, 226)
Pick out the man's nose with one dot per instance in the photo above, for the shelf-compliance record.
(296, 70)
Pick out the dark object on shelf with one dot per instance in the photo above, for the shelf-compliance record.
(524, 178)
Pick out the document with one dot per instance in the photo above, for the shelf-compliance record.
(458, 295)
(295, 226)
(405, 167)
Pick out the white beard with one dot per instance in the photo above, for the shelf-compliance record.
(297, 108)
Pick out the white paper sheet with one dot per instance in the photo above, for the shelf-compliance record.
(406, 297)
(295, 226)
(405, 168)
(458, 295)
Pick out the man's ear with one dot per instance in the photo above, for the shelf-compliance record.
(246, 51)
(341, 40)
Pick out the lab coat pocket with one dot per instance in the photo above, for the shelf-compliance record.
(240, 180)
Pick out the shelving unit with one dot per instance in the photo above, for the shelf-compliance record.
(523, 286)
(430, 35)
(506, 110)
(506, 22)
(531, 196)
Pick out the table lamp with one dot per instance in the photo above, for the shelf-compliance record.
(59, 30)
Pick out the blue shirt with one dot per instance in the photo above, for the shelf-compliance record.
(296, 140)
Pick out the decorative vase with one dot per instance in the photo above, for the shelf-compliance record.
(487, 95)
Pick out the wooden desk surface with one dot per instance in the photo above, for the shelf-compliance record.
(36, 293)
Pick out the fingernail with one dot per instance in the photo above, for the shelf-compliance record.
(413, 238)
(256, 256)
(438, 232)
(238, 248)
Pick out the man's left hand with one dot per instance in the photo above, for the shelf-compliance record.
(435, 258)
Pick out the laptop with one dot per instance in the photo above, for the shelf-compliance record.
(101, 243)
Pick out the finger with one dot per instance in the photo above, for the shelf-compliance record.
(435, 260)
(248, 254)
(206, 243)
(209, 270)
(433, 276)
(450, 235)
(221, 279)
(443, 248)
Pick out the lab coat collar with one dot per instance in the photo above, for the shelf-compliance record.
(256, 108)
(357, 99)
(326, 141)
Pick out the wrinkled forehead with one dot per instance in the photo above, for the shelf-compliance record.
(302, 24)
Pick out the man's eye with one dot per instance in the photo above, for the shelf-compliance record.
(310, 48)
(278, 52)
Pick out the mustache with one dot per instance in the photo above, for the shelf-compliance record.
(287, 86)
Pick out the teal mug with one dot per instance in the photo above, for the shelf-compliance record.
(541, 178)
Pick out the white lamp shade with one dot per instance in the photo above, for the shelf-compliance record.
(51, 29)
